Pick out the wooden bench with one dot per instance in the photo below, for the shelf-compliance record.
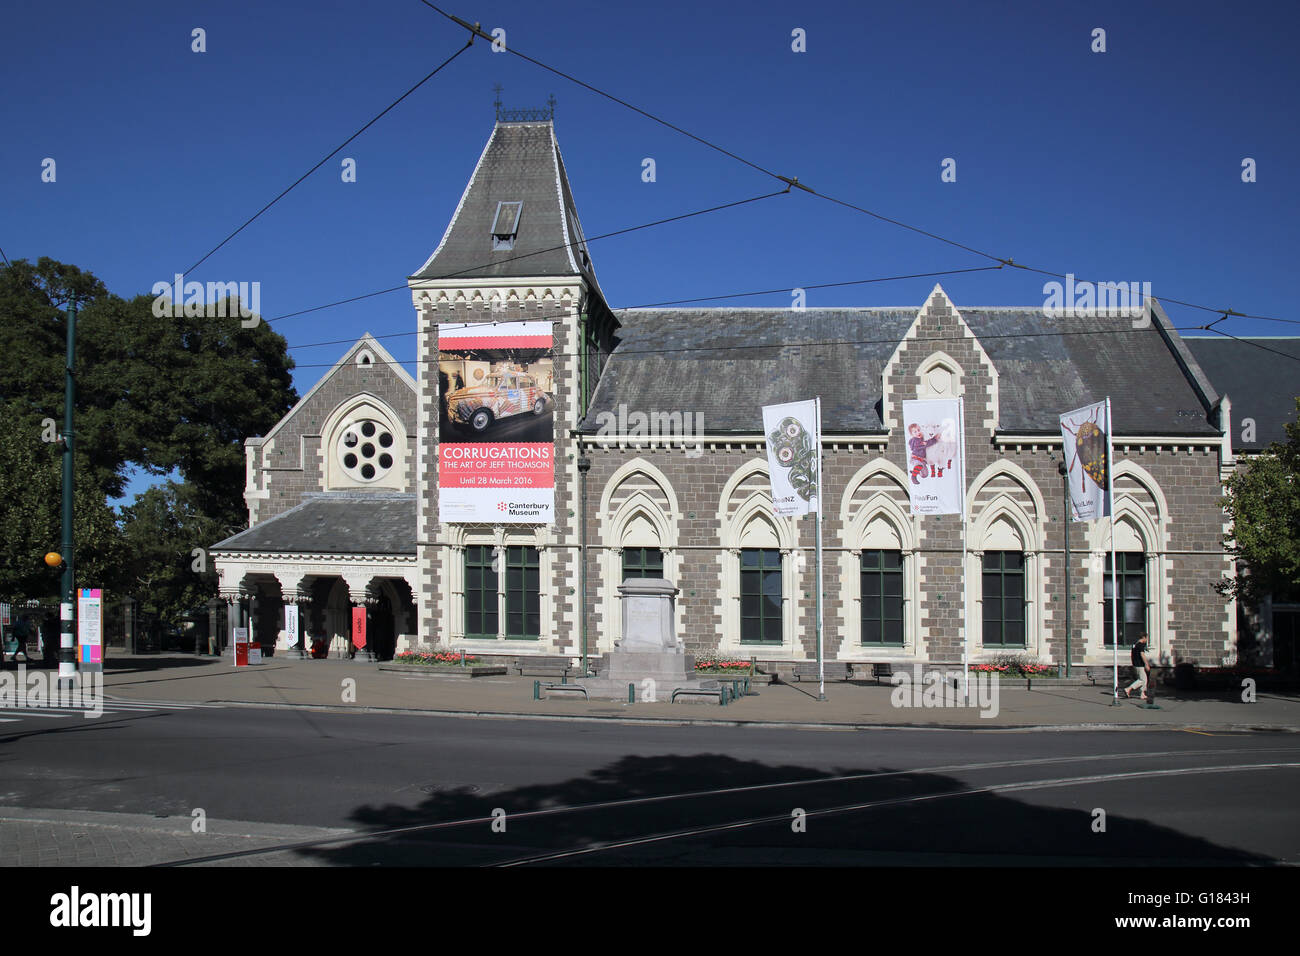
(834, 670)
(1103, 675)
(543, 666)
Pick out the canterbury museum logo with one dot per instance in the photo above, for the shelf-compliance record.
(213, 300)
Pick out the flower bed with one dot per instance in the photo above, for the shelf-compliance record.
(1016, 671)
(717, 665)
(436, 659)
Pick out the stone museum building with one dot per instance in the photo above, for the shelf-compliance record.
(660, 470)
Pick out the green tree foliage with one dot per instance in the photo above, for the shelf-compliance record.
(161, 393)
(31, 503)
(161, 532)
(1263, 502)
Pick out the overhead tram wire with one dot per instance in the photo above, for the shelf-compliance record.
(607, 235)
(1257, 345)
(331, 155)
(651, 305)
(793, 182)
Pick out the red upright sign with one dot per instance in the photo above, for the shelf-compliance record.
(359, 626)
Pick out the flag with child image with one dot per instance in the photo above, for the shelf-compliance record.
(936, 456)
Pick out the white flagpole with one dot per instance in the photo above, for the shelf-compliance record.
(965, 583)
(821, 668)
(1114, 571)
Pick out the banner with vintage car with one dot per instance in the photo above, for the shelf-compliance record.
(496, 438)
(1085, 433)
(936, 456)
(793, 459)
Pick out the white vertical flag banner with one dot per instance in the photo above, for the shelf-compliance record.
(793, 460)
(936, 456)
(1087, 436)
(291, 624)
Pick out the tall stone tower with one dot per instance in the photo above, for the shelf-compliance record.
(514, 251)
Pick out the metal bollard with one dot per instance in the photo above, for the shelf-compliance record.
(537, 690)
(631, 693)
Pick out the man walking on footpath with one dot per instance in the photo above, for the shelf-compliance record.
(1141, 665)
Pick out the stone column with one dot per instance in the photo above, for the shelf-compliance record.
(231, 597)
(973, 616)
(499, 560)
(214, 626)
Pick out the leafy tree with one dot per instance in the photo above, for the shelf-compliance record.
(161, 393)
(1263, 502)
(161, 531)
(31, 480)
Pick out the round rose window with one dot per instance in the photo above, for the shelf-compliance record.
(366, 450)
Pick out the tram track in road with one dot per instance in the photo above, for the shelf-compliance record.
(785, 818)
(714, 804)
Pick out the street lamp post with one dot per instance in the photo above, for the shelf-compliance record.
(584, 466)
(68, 605)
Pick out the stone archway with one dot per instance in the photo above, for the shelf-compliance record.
(389, 609)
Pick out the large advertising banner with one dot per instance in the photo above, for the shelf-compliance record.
(1087, 437)
(496, 423)
(793, 459)
(936, 456)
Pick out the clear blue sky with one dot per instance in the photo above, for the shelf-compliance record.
(1123, 165)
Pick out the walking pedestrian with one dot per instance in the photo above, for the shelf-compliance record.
(22, 634)
(1141, 666)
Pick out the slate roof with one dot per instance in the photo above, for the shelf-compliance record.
(335, 523)
(521, 163)
(727, 363)
(1262, 384)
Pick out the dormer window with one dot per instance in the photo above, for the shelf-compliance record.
(505, 225)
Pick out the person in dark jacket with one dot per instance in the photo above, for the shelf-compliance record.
(1141, 666)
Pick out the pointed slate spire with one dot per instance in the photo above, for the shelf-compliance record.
(516, 218)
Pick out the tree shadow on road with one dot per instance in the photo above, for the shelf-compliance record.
(912, 817)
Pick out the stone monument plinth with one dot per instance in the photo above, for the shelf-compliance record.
(649, 648)
(649, 657)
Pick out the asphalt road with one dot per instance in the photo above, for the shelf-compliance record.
(427, 790)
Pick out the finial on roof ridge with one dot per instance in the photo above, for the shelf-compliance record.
(545, 115)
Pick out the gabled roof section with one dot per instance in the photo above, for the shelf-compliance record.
(366, 348)
(725, 364)
(334, 523)
(1261, 375)
(520, 164)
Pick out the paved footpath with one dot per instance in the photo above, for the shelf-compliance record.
(82, 838)
(362, 685)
